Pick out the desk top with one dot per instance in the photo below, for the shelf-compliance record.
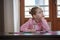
(28, 33)
(51, 34)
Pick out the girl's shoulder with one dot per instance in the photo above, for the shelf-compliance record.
(30, 20)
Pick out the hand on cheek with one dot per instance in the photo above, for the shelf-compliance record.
(40, 17)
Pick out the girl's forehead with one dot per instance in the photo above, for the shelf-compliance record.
(39, 9)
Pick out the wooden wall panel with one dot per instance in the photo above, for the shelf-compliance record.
(57, 25)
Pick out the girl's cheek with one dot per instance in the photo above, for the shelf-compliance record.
(39, 15)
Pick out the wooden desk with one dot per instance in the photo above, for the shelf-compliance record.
(54, 35)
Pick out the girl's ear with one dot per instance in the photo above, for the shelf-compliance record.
(34, 16)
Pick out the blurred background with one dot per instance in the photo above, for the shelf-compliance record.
(14, 13)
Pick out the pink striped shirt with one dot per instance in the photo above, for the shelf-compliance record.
(31, 24)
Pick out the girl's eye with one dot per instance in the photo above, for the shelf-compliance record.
(40, 11)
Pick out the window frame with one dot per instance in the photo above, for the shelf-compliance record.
(22, 17)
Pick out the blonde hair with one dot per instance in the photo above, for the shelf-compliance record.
(33, 10)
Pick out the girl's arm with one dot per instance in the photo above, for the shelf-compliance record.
(45, 25)
(25, 27)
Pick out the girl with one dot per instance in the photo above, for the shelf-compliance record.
(36, 23)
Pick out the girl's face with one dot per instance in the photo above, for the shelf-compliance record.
(39, 13)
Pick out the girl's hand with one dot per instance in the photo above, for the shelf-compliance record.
(32, 30)
(39, 18)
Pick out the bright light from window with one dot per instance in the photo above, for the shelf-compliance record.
(58, 8)
(44, 4)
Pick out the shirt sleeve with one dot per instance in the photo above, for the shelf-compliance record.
(45, 25)
(25, 27)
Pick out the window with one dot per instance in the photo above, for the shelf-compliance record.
(51, 9)
(44, 4)
(58, 8)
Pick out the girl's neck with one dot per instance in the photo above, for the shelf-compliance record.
(36, 20)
